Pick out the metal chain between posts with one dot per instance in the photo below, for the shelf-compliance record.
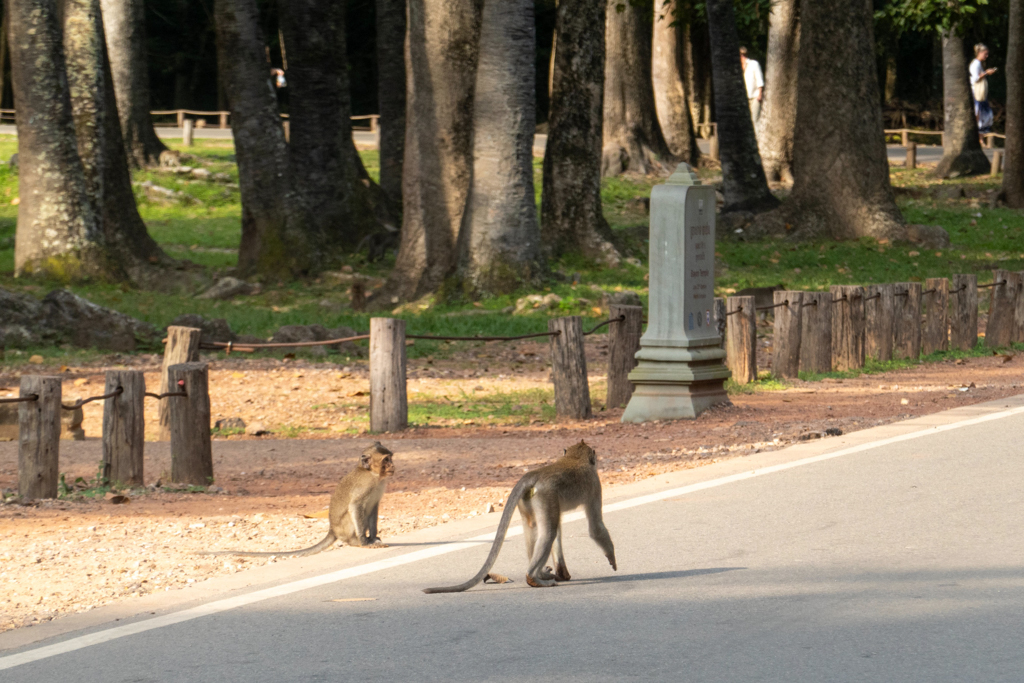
(82, 401)
(994, 284)
(606, 322)
(181, 383)
(957, 291)
(876, 295)
(21, 399)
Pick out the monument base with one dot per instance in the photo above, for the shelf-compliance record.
(675, 383)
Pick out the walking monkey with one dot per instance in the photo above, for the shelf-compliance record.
(353, 513)
(542, 495)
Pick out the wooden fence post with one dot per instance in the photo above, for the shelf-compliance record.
(38, 437)
(847, 327)
(816, 332)
(905, 138)
(999, 330)
(935, 336)
(879, 306)
(997, 162)
(907, 321)
(124, 427)
(186, 132)
(191, 452)
(911, 155)
(181, 118)
(786, 346)
(389, 403)
(623, 343)
(1018, 309)
(223, 120)
(569, 368)
(713, 151)
(964, 327)
(182, 347)
(741, 338)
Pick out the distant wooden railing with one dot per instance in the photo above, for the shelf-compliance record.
(905, 133)
(7, 115)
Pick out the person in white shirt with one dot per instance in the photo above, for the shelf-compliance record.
(754, 80)
(979, 88)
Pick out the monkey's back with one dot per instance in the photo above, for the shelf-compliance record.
(574, 482)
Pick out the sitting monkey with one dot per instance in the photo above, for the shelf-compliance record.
(542, 495)
(353, 512)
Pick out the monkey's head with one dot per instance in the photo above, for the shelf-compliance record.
(583, 452)
(378, 460)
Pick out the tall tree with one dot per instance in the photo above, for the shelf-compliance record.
(841, 168)
(743, 181)
(1013, 169)
(58, 233)
(124, 23)
(270, 244)
(570, 209)
(334, 201)
(668, 66)
(440, 60)
(129, 250)
(391, 95)
(697, 69)
(499, 239)
(778, 113)
(633, 140)
(961, 148)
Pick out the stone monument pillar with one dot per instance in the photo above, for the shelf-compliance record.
(681, 366)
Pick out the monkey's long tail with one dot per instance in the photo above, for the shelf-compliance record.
(499, 537)
(328, 541)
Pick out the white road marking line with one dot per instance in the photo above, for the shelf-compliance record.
(226, 604)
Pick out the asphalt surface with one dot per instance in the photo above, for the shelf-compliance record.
(851, 559)
(367, 140)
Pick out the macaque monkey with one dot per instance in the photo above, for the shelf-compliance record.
(542, 495)
(353, 512)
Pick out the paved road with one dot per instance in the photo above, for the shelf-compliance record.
(367, 140)
(893, 554)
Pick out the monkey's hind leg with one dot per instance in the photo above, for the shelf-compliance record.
(561, 570)
(547, 517)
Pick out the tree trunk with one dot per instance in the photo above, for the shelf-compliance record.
(129, 250)
(632, 137)
(841, 170)
(778, 114)
(697, 71)
(391, 96)
(124, 22)
(961, 146)
(499, 242)
(330, 186)
(269, 246)
(670, 100)
(440, 61)
(1013, 166)
(571, 216)
(743, 181)
(58, 233)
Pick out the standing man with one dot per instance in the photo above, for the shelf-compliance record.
(754, 80)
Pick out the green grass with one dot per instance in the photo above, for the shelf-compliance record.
(203, 226)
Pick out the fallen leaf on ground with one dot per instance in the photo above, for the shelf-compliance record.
(497, 578)
(319, 514)
(36, 360)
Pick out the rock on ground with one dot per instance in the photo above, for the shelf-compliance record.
(226, 288)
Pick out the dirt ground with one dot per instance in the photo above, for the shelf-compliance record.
(73, 554)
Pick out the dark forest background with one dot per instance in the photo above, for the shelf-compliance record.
(183, 60)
